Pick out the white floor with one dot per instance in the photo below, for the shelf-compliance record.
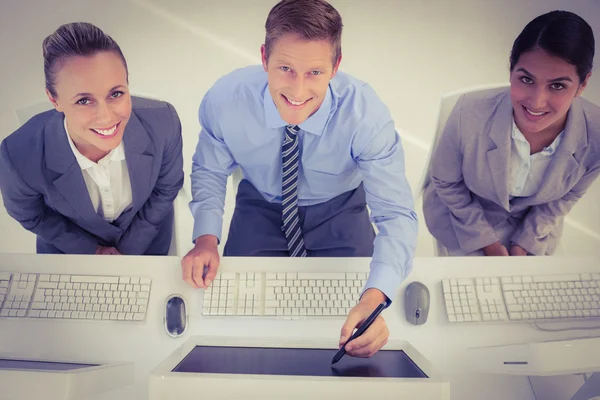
(410, 51)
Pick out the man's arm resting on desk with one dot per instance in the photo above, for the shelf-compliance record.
(211, 166)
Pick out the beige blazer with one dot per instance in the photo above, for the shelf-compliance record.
(468, 195)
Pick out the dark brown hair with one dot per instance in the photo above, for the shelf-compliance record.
(562, 34)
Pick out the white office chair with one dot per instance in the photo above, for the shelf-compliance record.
(590, 389)
(447, 104)
(176, 247)
(236, 178)
(23, 114)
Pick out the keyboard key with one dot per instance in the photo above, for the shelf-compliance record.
(322, 275)
(515, 315)
(145, 281)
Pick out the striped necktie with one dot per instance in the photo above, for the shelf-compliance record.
(289, 192)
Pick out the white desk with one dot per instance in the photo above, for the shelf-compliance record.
(147, 344)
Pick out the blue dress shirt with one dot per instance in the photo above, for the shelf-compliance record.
(350, 139)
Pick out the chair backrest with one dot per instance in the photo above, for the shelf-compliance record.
(24, 114)
(447, 104)
(590, 389)
(236, 178)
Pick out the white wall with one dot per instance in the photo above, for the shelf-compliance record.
(410, 51)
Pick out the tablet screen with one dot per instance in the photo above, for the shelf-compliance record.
(302, 362)
(41, 365)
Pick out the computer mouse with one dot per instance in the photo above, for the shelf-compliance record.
(176, 318)
(416, 303)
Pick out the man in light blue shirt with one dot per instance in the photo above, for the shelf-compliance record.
(315, 146)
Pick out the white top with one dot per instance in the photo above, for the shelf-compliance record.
(107, 181)
(527, 170)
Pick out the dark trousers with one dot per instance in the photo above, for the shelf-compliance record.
(339, 227)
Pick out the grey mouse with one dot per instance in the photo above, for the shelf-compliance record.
(416, 303)
(175, 316)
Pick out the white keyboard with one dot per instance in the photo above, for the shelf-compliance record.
(115, 298)
(283, 294)
(523, 298)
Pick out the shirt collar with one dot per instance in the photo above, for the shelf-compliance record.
(548, 150)
(117, 154)
(314, 124)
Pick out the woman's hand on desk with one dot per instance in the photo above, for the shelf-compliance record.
(111, 251)
(374, 338)
(204, 254)
(495, 249)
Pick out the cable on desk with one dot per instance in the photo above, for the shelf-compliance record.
(574, 328)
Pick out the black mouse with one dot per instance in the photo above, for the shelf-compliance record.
(175, 316)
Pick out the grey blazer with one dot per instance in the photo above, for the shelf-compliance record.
(44, 190)
(468, 192)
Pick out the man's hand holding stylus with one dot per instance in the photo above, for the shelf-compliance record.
(376, 336)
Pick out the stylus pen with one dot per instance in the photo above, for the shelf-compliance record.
(338, 356)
